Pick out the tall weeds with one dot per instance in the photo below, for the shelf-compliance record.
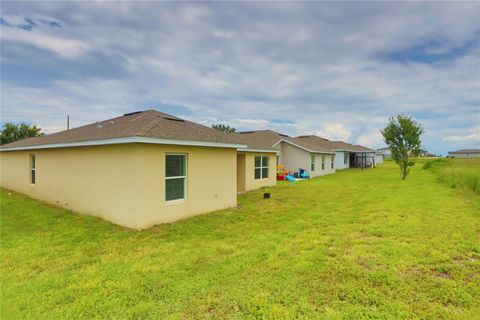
(463, 174)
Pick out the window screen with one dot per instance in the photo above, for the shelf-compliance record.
(175, 176)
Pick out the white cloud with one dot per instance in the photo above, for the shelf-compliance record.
(334, 131)
(370, 137)
(466, 135)
(258, 123)
(298, 68)
(42, 39)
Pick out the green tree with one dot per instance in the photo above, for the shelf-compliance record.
(224, 128)
(402, 135)
(11, 132)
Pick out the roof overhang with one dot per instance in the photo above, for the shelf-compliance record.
(124, 140)
(259, 150)
(356, 151)
(301, 147)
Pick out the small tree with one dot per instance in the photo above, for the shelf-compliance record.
(224, 128)
(11, 132)
(402, 135)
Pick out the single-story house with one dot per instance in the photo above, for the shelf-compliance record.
(346, 155)
(378, 158)
(465, 153)
(386, 152)
(137, 170)
(293, 153)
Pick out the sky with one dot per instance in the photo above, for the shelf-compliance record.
(335, 69)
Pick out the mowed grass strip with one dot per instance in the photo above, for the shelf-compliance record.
(356, 244)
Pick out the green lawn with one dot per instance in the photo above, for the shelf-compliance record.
(356, 244)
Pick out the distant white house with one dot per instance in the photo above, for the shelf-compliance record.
(386, 152)
(379, 157)
(465, 153)
(347, 155)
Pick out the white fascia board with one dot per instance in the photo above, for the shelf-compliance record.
(351, 151)
(134, 139)
(303, 148)
(323, 152)
(259, 150)
(277, 143)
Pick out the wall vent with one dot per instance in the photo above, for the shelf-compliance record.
(174, 119)
(132, 113)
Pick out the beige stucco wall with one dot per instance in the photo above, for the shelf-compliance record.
(241, 172)
(248, 169)
(318, 165)
(294, 158)
(124, 183)
(340, 158)
(211, 182)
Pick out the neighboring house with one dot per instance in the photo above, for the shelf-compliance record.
(293, 153)
(465, 153)
(386, 152)
(137, 170)
(256, 164)
(379, 157)
(346, 155)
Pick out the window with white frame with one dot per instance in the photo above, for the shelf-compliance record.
(32, 169)
(323, 162)
(175, 177)
(261, 167)
(345, 157)
(312, 161)
(331, 163)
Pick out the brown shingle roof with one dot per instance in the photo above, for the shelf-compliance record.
(335, 145)
(465, 151)
(259, 140)
(149, 123)
(308, 144)
(266, 139)
(352, 147)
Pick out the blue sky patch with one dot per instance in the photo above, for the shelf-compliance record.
(432, 51)
(331, 68)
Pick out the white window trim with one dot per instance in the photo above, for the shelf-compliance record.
(184, 199)
(312, 162)
(331, 163)
(261, 167)
(323, 163)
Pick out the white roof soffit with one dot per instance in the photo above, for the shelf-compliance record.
(258, 150)
(134, 139)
